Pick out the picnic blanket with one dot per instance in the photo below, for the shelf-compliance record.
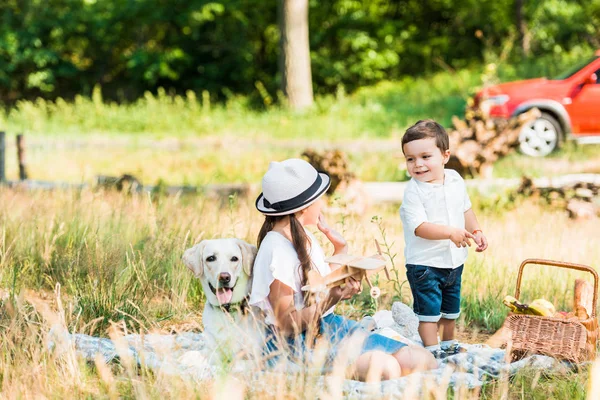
(188, 355)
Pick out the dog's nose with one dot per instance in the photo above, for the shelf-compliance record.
(224, 277)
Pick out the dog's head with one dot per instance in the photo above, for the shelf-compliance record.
(224, 267)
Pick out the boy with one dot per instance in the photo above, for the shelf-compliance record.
(439, 225)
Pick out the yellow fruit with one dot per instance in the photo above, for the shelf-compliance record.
(545, 304)
(508, 302)
(541, 307)
(515, 306)
(539, 310)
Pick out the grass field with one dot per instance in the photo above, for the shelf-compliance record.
(214, 160)
(189, 139)
(117, 258)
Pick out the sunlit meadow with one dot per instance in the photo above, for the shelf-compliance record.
(112, 258)
(104, 263)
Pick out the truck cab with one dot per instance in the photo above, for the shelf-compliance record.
(570, 106)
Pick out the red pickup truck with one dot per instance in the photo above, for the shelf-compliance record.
(570, 106)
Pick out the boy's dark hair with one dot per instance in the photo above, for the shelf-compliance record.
(427, 128)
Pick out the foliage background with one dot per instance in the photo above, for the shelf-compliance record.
(63, 48)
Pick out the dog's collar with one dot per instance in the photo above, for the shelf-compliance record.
(242, 306)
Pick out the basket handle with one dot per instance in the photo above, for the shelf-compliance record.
(561, 264)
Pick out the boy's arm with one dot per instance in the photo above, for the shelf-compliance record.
(472, 226)
(430, 231)
(471, 223)
(414, 218)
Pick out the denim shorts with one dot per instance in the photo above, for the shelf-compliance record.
(436, 291)
(336, 329)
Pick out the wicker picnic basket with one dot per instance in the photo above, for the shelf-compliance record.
(568, 339)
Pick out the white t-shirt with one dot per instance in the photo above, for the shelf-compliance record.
(442, 204)
(277, 259)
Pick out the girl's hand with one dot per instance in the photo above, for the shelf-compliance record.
(481, 241)
(339, 243)
(349, 289)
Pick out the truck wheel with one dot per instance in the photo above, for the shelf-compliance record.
(540, 137)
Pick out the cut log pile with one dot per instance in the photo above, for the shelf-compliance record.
(476, 144)
(334, 162)
(580, 199)
(350, 194)
(479, 141)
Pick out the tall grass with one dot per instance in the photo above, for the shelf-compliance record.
(372, 112)
(117, 258)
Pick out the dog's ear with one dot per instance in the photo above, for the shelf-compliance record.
(193, 259)
(248, 254)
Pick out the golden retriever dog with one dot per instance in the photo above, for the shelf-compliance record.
(224, 267)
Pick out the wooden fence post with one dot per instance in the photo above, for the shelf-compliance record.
(2, 158)
(21, 157)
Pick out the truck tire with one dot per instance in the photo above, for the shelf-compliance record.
(541, 136)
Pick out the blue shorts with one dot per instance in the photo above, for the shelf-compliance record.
(436, 291)
(335, 329)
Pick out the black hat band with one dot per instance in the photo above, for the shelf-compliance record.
(295, 201)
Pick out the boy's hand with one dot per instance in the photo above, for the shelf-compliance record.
(481, 241)
(461, 237)
(339, 243)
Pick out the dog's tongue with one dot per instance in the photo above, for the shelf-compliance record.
(224, 295)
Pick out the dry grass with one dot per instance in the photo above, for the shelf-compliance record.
(226, 159)
(117, 259)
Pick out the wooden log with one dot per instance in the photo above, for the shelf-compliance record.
(2, 156)
(21, 157)
(486, 170)
(482, 135)
(580, 209)
(126, 182)
(468, 152)
(459, 124)
(334, 162)
(494, 138)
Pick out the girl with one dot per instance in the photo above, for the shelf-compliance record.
(291, 200)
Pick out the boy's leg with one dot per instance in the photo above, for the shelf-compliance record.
(447, 327)
(428, 332)
(450, 309)
(427, 296)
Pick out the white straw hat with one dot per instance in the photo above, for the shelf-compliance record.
(290, 186)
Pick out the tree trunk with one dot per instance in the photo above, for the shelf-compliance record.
(294, 57)
(524, 35)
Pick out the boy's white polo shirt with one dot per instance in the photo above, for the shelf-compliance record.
(442, 204)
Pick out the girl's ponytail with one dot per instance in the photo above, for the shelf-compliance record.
(266, 227)
(301, 242)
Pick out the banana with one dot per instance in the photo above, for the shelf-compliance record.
(509, 302)
(540, 310)
(539, 307)
(543, 306)
(515, 306)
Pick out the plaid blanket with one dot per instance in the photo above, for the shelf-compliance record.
(188, 355)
